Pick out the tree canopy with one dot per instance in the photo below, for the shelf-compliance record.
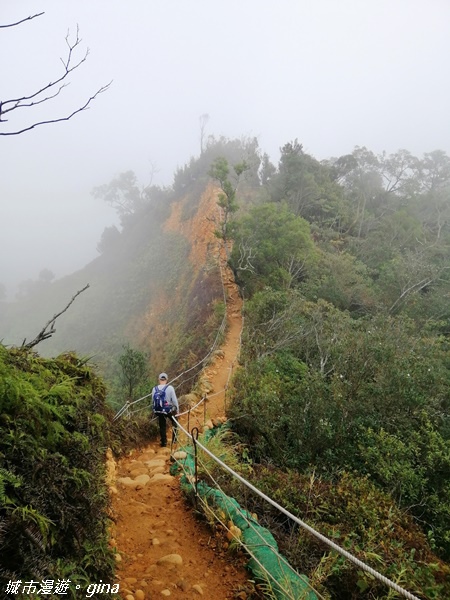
(341, 400)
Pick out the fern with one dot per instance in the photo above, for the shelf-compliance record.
(7, 479)
(53, 499)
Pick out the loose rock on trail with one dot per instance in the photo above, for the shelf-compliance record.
(163, 548)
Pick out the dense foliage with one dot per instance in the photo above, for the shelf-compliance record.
(342, 397)
(53, 498)
(345, 366)
(353, 513)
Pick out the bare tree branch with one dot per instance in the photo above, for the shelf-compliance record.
(84, 107)
(294, 268)
(415, 287)
(246, 255)
(21, 104)
(68, 68)
(324, 356)
(50, 90)
(22, 20)
(282, 330)
(45, 332)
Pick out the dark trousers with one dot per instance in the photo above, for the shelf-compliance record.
(162, 421)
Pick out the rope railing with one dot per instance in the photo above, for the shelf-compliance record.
(270, 577)
(128, 404)
(207, 509)
(127, 409)
(367, 568)
(299, 522)
(281, 559)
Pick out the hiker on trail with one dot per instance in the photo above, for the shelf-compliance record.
(165, 406)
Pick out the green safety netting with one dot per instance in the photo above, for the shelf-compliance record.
(259, 542)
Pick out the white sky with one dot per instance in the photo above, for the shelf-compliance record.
(332, 73)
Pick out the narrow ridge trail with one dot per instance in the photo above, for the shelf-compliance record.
(164, 550)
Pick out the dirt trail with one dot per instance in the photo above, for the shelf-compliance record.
(164, 550)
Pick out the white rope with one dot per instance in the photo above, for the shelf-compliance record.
(219, 331)
(192, 407)
(308, 528)
(302, 524)
(287, 593)
(264, 543)
(311, 530)
(282, 561)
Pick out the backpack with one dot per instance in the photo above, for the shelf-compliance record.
(160, 404)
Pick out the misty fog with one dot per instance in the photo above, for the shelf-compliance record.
(335, 75)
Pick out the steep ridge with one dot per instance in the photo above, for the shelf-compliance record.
(152, 329)
(162, 548)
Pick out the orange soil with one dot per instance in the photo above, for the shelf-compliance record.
(153, 520)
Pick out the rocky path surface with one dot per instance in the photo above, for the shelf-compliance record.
(164, 549)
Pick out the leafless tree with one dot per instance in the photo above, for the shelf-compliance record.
(50, 90)
(203, 119)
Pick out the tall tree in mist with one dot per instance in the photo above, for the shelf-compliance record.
(220, 171)
(203, 122)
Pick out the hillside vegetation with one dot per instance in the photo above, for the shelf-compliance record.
(53, 501)
(341, 400)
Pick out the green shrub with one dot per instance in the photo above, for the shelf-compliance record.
(53, 497)
(357, 516)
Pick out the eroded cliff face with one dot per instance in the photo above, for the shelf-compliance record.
(184, 308)
(199, 229)
(156, 288)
